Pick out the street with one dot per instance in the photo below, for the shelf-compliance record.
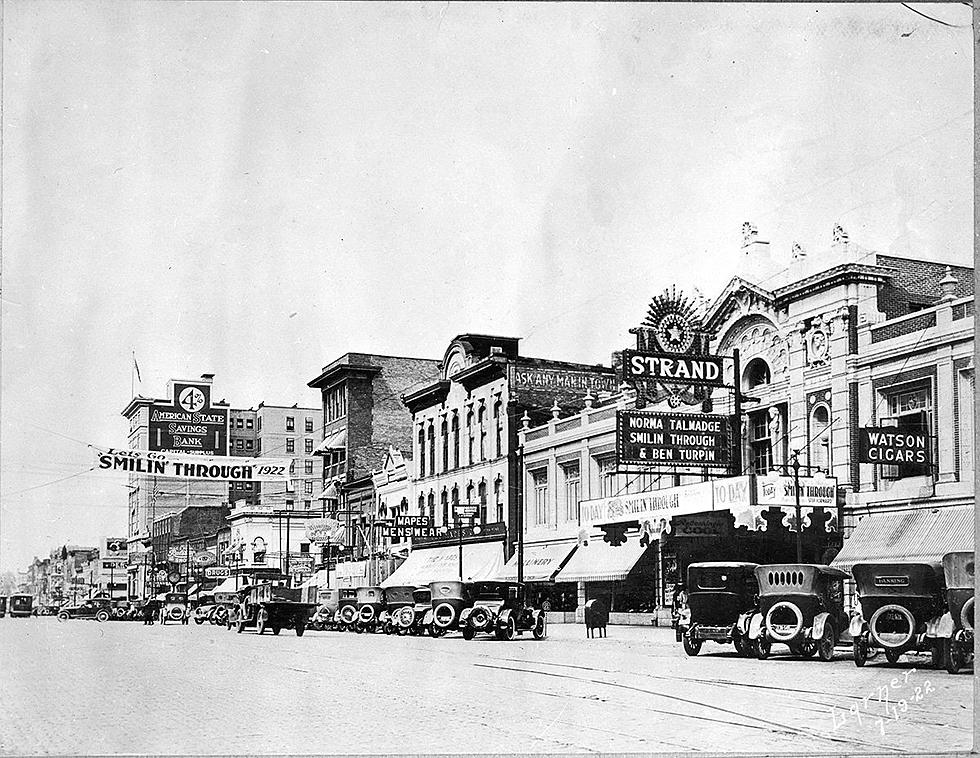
(121, 687)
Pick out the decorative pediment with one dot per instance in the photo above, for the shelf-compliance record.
(739, 299)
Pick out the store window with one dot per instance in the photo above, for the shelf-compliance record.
(539, 488)
(571, 491)
(910, 410)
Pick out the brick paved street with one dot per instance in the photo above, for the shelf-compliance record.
(84, 687)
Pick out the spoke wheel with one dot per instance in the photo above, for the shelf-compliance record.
(938, 655)
(826, 645)
(510, 630)
(540, 630)
(468, 632)
(860, 651)
(260, 622)
(762, 648)
(954, 659)
(892, 655)
(691, 646)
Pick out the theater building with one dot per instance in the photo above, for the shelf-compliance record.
(828, 345)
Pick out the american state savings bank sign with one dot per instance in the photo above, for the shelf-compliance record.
(190, 424)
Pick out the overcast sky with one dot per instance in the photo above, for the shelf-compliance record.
(251, 190)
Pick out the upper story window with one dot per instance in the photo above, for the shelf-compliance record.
(335, 402)
(290, 445)
(432, 446)
(444, 502)
(481, 493)
(455, 432)
(539, 487)
(911, 411)
(290, 424)
(607, 476)
(421, 452)
(444, 434)
(572, 489)
(248, 423)
(308, 426)
(307, 467)
(760, 442)
(757, 373)
(309, 447)
(820, 438)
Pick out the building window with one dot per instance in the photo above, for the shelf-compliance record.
(911, 412)
(469, 494)
(258, 446)
(290, 424)
(481, 418)
(421, 505)
(307, 504)
(248, 423)
(607, 476)
(239, 444)
(249, 444)
(455, 431)
(820, 439)
(481, 492)
(259, 423)
(308, 445)
(432, 506)
(304, 547)
(444, 502)
(308, 425)
(432, 446)
(757, 373)
(760, 442)
(469, 437)
(335, 402)
(571, 489)
(421, 453)
(307, 467)
(539, 487)
(498, 429)
(444, 433)
(290, 445)
(239, 423)
(308, 487)
(498, 486)
(454, 499)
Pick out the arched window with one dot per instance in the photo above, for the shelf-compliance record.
(498, 431)
(455, 496)
(444, 433)
(481, 417)
(469, 493)
(258, 550)
(432, 506)
(498, 497)
(432, 446)
(481, 491)
(421, 452)
(756, 374)
(455, 430)
(421, 505)
(820, 436)
(444, 498)
(469, 436)
(403, 506)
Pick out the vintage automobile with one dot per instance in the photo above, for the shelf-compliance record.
(20, 605)
(370, 606)
(500, 608)
(204, 613)
(722, 597)
(397, 598)
(224, 602)
(956, 626)
(97, 609)
(325, 615)
(272, 606)
(800, 606)
(899, 608)
(173, 607)
(346, 615)
(417, 621)
(449, 599)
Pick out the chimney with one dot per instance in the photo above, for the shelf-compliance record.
(207, 377)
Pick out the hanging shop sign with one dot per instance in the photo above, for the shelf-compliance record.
(303, 565)
(217, 572)
(204, 558)
(477, 533)
(173, 577)
(113, 565)
(115, 546)
(673, 439)
(412, 527)
(672, 368)
(891, 446)
(704, 525)
(657, 506)
(815, 491)
(179, 554)
(161, 575)
(189, 423)
(323, 530)
(210, 468)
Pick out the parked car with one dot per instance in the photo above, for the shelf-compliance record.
(204, 613)
(800, 606)
(396, 599)
(346, 609)
(500, 608)
(421, 616)
(328, 601)
(449, 599)
(722, 597)
(370, 606)
(271, 606)
(100, 610)
(224, 604)
(900, 606)
(20, 605)
(956, 625)
(174, 607)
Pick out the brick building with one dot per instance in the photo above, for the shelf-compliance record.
(363, 418)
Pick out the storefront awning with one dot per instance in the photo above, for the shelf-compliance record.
(925, 534)
(228, 585)
(335, 441)
(541, 562)
(481, 561)
(599, 561)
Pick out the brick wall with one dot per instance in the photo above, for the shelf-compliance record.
(908, 326)
(918, 282)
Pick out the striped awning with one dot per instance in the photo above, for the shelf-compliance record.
(541, 562)
(335, 441)
(923, 534)
(599, 561)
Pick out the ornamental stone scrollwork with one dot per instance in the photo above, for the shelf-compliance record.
(763, 340)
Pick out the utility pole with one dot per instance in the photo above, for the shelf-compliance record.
(799, 515)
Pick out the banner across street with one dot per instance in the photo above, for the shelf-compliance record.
(208, 467)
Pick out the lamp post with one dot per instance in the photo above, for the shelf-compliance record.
(799, 515)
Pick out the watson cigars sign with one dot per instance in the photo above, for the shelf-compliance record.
(207, 467)
(891, 446)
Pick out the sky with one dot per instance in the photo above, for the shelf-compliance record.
(253, 189)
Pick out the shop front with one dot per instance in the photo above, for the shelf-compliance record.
(472, 554)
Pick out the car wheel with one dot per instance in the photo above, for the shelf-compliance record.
(938, 655)
(300, 628)
(260, 622)
(762, 648)
(510, 629)
(199, 621)
(540, 630)
(64, 616)
(691, 646)
(955, 656)
(468, 632)
(101, 616)
(276, 630)
(825, 647)
(860, 651)
(241, 627)
(892, 655)
(742, 646)
(434, 631)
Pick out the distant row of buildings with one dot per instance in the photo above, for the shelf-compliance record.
(486, 445)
